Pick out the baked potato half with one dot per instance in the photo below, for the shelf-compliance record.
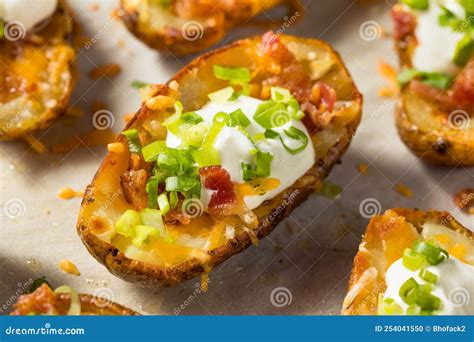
(45, 301)
(434, 114)
(194, 240)
(36, 73)
(391, 243)
(188, 26)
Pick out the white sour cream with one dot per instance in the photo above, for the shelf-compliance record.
(455, 285)
(234, 148)
(436, 44)
(27, 12)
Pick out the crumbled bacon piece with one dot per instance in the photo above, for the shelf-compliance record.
(134, 181)
(42, 301)
(463, 88)
(404, 23)
(293, 76)
(464, 200)
(224, 199)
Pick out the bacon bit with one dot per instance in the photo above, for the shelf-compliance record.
(75, 112)
(116, 147)
(404, 23)
(463, 88)
(403, 190)
(42, 301)
(389, 73)
(363, 168)
(35, 144)
(68, 193)
(224, 200)
(324, 95)
(92, 139)
(68, 267)
(128, 117)
(464, 200)
(109, 70)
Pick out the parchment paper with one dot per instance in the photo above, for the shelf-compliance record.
(303, 266)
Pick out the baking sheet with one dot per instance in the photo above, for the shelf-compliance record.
(303, 266)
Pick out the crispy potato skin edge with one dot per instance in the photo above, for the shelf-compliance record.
(417, 217)
(152, 276)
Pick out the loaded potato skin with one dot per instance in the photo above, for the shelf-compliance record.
(37, 73)
(187, 26)
(310, 71)
(388, 241)
(434, 114)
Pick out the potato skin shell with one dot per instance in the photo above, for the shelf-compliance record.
(364, 261)
(152, 276)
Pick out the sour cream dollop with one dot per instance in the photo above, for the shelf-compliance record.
(454, 287)
(436, 43)
(234, 147)
(27, 12)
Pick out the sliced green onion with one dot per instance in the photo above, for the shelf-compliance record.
(139, 84)
(152, 191)
(271, 134)
(37, 283)
(75, 305)
(238, 118)
(173, 199)
(152, 217)
(262, 167)
(126, 222)
(408, 291)
(433, 79)
(212, 134)
(163, 203)
(191, 117)
(280, 94)
(221, 96)
(151, 151)
(413, 261)
(141, 234)
(134, 144)
(182, 184)
(221, 117)
(427, 301)
(433, 254)
(428, 276)
(207, 156)
(330, 190)
(271, 114)
(417, 4)
(295, 134)
(231, 73)
(193, 135)
(389, 306)
(464, 50)
(413, 310)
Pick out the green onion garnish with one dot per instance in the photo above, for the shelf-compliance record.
(428, 276)
(330, 190)
(262, 167)
(238, 118)
(388, 306)
(151, 151)
(222, 95)
(139, 84)
(295, 134)
(129, 219)
(417, 4)
(413, 261)
(163, 203)
(207, 156)
(433, 254)
(464, 50)
(37, 283)
(191, 117)
(134, 144)
(271, 114)
(280, 94)
(152, 191)
(173, 199)
(270, 134)
(408, 291)
(231, 73)
(433, 79)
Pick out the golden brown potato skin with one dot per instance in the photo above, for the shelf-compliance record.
(383, 242)
(193, 75)
(424, 125)
(203, 32)
(31, 101)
